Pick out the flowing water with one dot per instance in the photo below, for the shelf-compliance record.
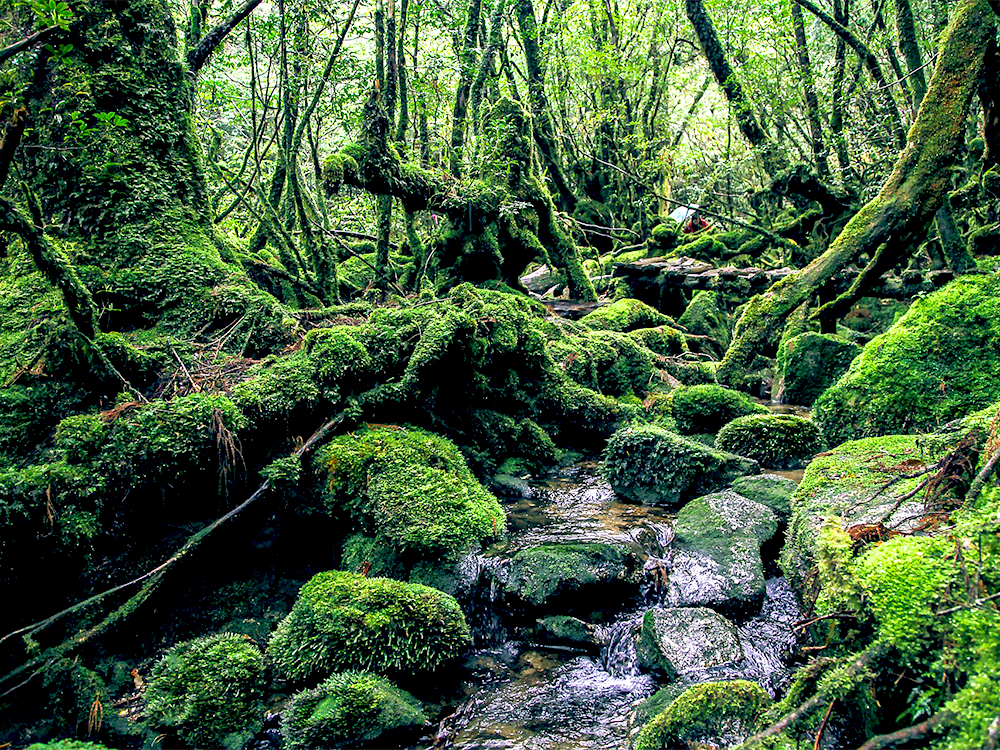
(521, 694)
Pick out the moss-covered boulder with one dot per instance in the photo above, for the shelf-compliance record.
(612, 363)
(415, 505)
(810, 363)
(768, 489)
(348, 709)
(564, 630)
(940, 361)
(209, 691)
(704, 317)
(706, 408)
(662, 340)
(648, 464)
(716, 560)
(687, 641)
(571, 577)
(342, 621)
(777, 441)
(706, 714)
(625, 315)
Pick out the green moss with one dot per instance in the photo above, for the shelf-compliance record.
(704, 317)
(938, 362)
(347, 709)
(66, 745)
(410, 490)
(539, 574)
(607, 361)
(625, 315)
(662, 340)
(768, 489)
(777, 441)
(346, 621)
(706, 408)
(651, 465)
(810, 363)
(705, 711)
(209, 691)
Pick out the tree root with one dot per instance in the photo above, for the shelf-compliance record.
(908, 734)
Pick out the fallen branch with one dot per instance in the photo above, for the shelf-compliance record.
(908, 734)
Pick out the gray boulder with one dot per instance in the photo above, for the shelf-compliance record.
(689, 641)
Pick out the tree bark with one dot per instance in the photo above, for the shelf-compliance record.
(809, 90)
(906, 33)
(897, 217)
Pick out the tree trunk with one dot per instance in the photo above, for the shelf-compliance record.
(906, 33)
(809, 90)
(894, 221)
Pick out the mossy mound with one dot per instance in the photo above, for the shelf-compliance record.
(706, 408)
(348, 709)
(625, 315)
(940, 361)
(704, 317)
(648, 464)
(662, 340)
(570, 576)
(209, 691)
(342, 621)
(768, 489)
(609, 362)
(810, 363)
(777, 441)
(707, 713)
(411, 493)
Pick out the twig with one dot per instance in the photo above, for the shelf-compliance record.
(907, 734)
(968, 605)
(822, 725)
(977, 484)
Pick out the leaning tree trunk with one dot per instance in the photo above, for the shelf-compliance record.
(129, 193)
(892, 223)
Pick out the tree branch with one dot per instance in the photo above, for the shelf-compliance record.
(39, 36)
(197, 57)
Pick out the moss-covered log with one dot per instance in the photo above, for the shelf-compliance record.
(892, 222)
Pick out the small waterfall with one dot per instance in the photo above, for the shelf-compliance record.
(480, 582)
(617, 641)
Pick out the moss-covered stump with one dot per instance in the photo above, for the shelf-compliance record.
(840, 493)
(707, 714)
(347, 709)
(209, 691)
(686, 642)
(625, 315)
(415, 505)
(810, 363)
(940, 361)
(776, 441)
(651, 465)
(716, 559)
(768, 489)
(572, 577)
(342, 621)
(704, 318)
(706, 408)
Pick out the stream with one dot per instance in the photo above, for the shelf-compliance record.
(521, 691)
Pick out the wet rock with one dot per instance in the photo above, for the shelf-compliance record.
(768, 489)
(572, 577)
(563, 630)
(511, 486)
(716, 559)
(651, 465)
(810, 363)
(684, 641)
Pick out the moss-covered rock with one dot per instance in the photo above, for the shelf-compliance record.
(704, 317)
(625, 315)
(566, 631)
(705, 714)
(342, 621)
(662, 340)
(210, 691)
(687, 641)
(609, 362)
(768, 489)
(940, 361)
(412, 494)
(651, 465)
(716, 560)
(348, 709)
(777, 441)
(706, 408)
(810, 363)
(571, 576)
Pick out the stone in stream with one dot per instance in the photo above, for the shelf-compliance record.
(675, 642)
(562, 630)
(651, 465)
(716, 559)
(768, 489)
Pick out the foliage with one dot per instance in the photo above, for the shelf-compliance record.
(346, 621)
(346, 709)
(209, 691)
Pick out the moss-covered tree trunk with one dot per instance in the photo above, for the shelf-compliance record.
(893, 222)
(130, 197)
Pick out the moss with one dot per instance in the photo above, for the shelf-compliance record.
(704, 317)
(66, 745)
(539, 575)
(940, 361)
(704, 712)
(651, 465)
(209, 691)
(625, 315)
(810, 363)
(662, 340)
(346, 621)
(706, 408)
(777, 441)
(347, 709)
(412, 491)
(278, 389)
(607, 361)
(768, 489)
